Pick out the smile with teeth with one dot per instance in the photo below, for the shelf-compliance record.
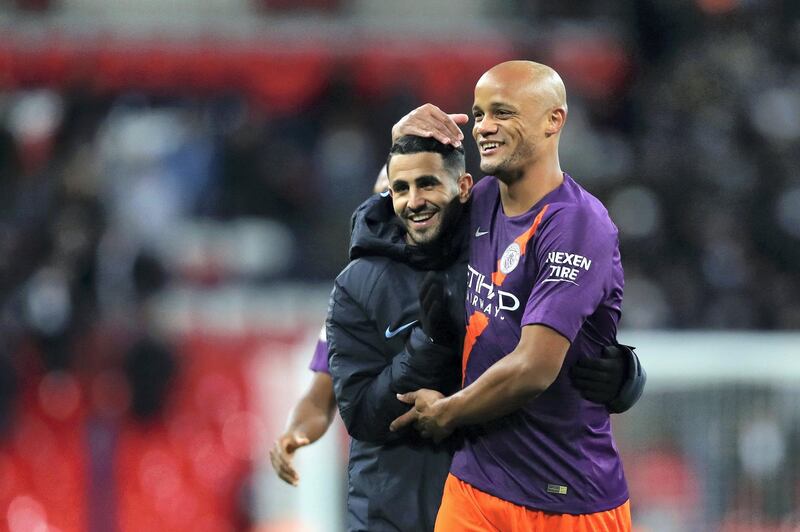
(489, 147)
(421, 219)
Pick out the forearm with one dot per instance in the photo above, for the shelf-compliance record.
(504, 388)
(369, 408)
(313, 414)
(511, 382)
(367, 384)
(375, 405)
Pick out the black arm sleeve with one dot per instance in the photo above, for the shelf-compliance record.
(365, 380)
(632, 386)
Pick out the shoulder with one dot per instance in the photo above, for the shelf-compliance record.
(485, 188)
(579, 211)
(360, 277)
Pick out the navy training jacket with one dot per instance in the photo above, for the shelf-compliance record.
(377, 349)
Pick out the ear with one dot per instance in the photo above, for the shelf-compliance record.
(464, 187)
(555, 121)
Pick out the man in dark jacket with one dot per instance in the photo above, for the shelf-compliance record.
(383, 341)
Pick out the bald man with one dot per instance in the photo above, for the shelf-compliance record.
(544, 285)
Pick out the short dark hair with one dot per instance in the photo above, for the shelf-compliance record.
(452, 157)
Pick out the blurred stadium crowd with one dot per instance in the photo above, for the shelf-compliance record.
(684, 119)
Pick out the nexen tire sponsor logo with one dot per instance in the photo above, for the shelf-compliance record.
(486, 297)
(565, 267)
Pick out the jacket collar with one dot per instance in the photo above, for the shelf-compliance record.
(376, 231)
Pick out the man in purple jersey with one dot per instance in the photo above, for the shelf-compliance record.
(544, 285)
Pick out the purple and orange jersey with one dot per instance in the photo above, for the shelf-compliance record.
(465, 508)
(319, 361)
(556, 265)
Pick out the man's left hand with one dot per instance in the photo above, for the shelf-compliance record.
(599, 379)
(427, 414)
(433, 305)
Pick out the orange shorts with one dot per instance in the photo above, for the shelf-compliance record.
(466, 509)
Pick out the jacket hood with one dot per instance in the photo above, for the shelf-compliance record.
(376, 231)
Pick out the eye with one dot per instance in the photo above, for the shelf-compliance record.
(478, 116)
(502, 113)
(427, 183)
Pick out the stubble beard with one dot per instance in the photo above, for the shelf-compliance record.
(433, 239)
(511, 169)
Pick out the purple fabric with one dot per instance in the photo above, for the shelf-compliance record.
(557, 453)
(320, 360)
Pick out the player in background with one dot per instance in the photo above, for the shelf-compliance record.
(544, 286)
(310, 417)
(314, 412)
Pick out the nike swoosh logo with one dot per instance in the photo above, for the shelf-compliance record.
(478, 232)
(392, 333)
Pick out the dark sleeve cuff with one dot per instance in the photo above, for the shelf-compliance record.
(632, 387)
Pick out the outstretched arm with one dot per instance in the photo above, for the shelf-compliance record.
(308, 421)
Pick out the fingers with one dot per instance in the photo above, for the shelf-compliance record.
(430, 121)
(408, 398)
(612, 351)
(610, 365)
(585, 385)
(432, 283)
(282, 453)
(459, 118)
(584, 373)
(404, 420)
(427, 286)
(282, 464)
(431, 297)
(596, 397)
(433, 309)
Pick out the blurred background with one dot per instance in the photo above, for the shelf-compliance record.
(176, 180)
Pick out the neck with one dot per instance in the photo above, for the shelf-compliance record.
(535, 183)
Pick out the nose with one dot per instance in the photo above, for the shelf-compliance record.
(486, 126)
(415, 199)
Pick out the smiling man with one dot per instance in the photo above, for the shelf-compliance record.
(544, 289)
(381, 342)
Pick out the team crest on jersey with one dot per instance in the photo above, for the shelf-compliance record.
(510, 258)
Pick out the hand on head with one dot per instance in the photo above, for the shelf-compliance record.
(430, 121)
